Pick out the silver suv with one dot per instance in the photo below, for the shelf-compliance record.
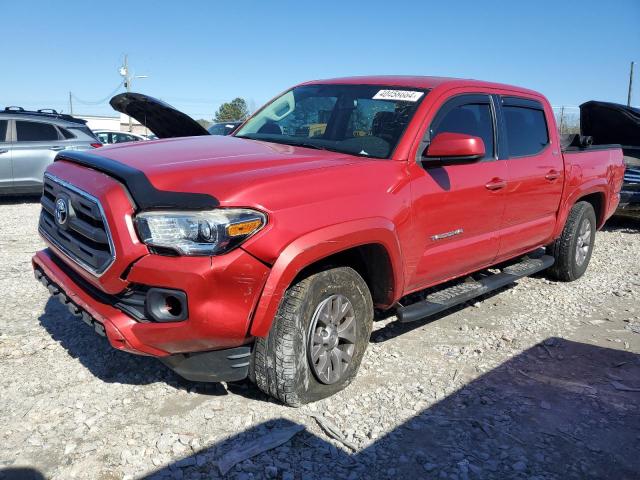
(29, 141)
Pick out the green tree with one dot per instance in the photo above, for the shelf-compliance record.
(234, 111)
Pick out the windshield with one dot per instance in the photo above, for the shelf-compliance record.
(365, 120)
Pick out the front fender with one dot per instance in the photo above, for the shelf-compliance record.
(315, 246)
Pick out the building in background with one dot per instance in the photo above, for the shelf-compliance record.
(118, 123)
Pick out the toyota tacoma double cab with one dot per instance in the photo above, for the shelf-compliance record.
(263, 254)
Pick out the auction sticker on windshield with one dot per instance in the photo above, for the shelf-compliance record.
(402, 95)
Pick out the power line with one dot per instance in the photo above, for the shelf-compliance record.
(101, 101)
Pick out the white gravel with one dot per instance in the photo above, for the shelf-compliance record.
(538, 381)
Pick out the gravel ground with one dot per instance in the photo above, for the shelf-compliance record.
(541, 380)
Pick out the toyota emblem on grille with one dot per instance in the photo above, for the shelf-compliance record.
(62, 211)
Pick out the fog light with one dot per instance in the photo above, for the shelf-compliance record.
(164, 305)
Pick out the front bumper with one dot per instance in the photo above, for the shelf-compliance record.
(227, 364)
(221, 292)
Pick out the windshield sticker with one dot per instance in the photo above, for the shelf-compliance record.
(402, 95)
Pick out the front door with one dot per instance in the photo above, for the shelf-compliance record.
(457, 209)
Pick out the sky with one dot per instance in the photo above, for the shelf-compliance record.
(198, 54)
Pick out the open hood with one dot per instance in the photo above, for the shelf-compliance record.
(159, 117)
(610, 123)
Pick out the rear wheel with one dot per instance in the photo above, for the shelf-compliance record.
(572, 251)
(318, 338)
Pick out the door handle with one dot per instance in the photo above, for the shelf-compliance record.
(552, 175)
(3, 150)
(56, 148)
(496, 184)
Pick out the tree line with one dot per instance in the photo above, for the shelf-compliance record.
(234, 111)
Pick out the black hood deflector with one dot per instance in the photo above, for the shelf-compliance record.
(143, 193)
(610, 123)
(159, 117)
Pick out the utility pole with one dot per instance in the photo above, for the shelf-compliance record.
(124, 72)
(70, 104)
(630, 85)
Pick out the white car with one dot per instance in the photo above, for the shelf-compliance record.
(114, 136)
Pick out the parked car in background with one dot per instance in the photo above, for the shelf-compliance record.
(114, 136)
(263, 254)
(608, 123)
(226, 128)
(29, 141)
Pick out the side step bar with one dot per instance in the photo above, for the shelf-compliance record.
(465, 291)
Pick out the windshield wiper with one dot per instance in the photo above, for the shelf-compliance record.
(299, 144)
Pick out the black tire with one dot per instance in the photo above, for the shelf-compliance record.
(567, 266)
(281, 363)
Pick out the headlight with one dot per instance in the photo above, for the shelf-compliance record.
(199, 233)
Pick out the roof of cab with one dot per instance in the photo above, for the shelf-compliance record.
(422, 82)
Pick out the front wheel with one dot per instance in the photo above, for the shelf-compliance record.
(318, 338)
(572, 251)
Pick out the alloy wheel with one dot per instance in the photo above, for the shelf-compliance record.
(583, 243)
(332, 338)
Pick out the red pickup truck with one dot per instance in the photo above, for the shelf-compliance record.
(264, 254)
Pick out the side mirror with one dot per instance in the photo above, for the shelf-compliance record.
(449, 147)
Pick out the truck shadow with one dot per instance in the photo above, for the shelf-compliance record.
(106, 363)
(111, 365)
(26, 473)
(563, 410)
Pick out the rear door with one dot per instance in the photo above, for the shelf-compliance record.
(6, 173)
(535, 174)
(457, 209)
(35, 146)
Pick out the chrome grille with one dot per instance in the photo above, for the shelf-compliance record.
(78, 228)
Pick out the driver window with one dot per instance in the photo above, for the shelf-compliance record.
(470, 118)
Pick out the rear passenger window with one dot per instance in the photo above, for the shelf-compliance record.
(472, 119)
(84, 130)
(526, 130)
(35, 131)
(3, 130)
(66, 133)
